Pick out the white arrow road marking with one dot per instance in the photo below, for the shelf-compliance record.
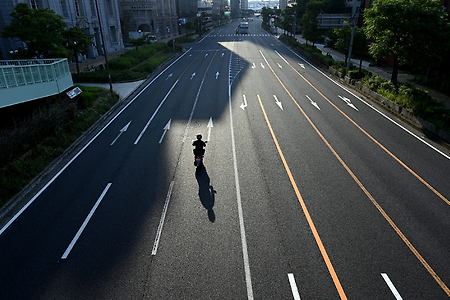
(223, 54)
(244, 105)
(167, 127)
(262, 66)
(279, 66)
(120, 132)
(217, 74)
(206, 54)
(313, 102)
(302, 65)
(253, 66)
(210, 125)
(278, 102)
(154, 114)
(170, 75)
(349, 103)
(192, 76)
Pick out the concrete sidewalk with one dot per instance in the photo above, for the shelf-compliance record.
(123, 89)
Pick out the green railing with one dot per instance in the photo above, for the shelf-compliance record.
(22, 72)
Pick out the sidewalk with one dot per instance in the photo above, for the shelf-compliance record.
(382, 71)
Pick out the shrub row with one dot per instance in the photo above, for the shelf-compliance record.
(123, 68)
(413, 99)
(34, 141)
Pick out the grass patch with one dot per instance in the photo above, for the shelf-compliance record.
(127, 67)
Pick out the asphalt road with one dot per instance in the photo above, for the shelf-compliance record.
(308, 192)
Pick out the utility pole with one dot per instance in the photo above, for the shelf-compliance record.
(354, 20)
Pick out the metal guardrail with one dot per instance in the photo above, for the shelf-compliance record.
(15, 73)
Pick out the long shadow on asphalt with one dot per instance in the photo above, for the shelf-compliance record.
(206, 191)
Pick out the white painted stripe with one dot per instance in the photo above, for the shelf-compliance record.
(161, 222)
(193, 110)
(86, 221)
(156, 111)
(372, 107)
(391, 286)
(293, 287)
(248, 277)
(85, 146)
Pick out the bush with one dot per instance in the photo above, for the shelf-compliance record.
(413, 99)
(28, 147)
(121, 68)
(340, 66)
(355, 74)
(151, 64)
(190, 38)
(123, 63)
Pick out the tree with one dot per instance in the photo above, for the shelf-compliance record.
(41, 30)
(309, 21)
(77, 42)
(288, 22)
(343, 36)
(142, 40)
(411, 31)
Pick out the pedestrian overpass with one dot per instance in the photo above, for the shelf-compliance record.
(31, 79)
(329, 21)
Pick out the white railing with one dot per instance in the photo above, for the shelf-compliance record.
(23, 72)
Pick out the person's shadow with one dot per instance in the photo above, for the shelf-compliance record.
(205, 191)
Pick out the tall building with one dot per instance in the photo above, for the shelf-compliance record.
(244, 4)
(187, 8)
(158, 17)
(235, 6)
(75, 13)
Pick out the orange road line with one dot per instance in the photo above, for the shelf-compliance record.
(372, 199)
(376, 142)
(305, 210)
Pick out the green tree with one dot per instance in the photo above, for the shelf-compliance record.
(411, 31)
(77, 42)
(343, 36)
(288, 21)
(140, 41)
(309, 21)
(41, 30)
(329, 6)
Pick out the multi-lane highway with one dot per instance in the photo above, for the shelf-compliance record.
(308, 192)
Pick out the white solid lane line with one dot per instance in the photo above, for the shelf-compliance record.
(86, 221)
(391, 286)
(154, 114)
(293, 287)
(161, 222)
(248, 276)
